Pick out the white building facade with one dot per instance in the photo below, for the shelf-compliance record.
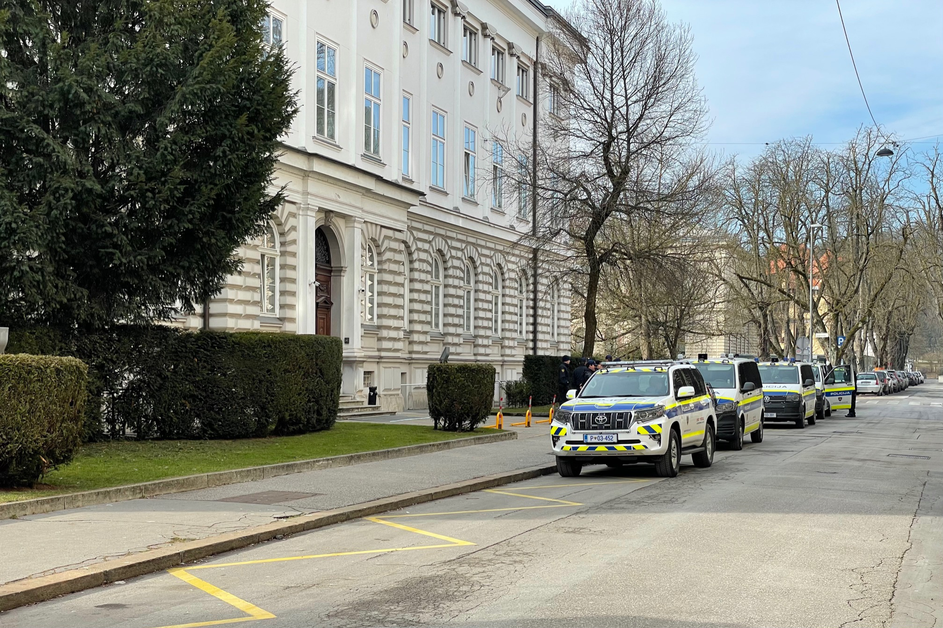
(401, 231)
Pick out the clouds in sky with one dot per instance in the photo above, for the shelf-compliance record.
(774, 69)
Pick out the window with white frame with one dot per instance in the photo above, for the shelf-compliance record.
(469, 159)
(556, 106)
(371, 111)
(470, 45)
(407, 134)
(268, 259)
(370, 284)
(497, 175)
(326, 123)
(273, 28)
(521, 308)
(497, 64)
(407, 268)
(523, 186)
(437, 24)
(496, 301)
(523, 81)
(409, 11)
(436, 285)
(438, 149)
(468, 298)
(554, 312)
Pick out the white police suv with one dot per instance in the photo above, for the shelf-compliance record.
(788, 392)
(738, 388)
(636, 412)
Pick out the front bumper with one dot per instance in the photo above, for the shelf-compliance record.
(727, 426)
(639, 442)
(783, 411)
(869, 389)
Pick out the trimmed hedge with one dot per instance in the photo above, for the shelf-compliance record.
(540, 374)
(161, 382)
(460, 395)
(41, 403)
(516, 393)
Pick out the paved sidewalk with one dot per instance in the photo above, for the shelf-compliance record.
(70, 539)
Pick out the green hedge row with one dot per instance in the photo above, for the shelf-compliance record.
(41, 403)
(460, 395)
(541, 376)
(161, 382)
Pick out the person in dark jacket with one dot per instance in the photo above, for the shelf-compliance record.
(854, 391)
(580, 375)
(563, 380)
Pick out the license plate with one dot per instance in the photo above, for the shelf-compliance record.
(771, 415)
(600, 438)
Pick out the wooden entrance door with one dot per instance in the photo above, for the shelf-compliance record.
(323, 299)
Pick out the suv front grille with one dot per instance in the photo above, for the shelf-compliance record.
(588, 421)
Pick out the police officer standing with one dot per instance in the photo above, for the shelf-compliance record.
(854, 390)
(580, 374)
(563, 380)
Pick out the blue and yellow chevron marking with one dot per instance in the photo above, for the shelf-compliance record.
(649, 429)
(557, 431)
(603, 447)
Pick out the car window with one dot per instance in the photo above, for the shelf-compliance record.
(678, 380)
(817, 373)
(806, 371)
(718, 375)
(779, 374)
(868, 376)
(753, 374)
(842, 374)
(697, 380)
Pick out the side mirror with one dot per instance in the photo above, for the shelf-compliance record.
(685, 391)
(748, 387)
(571, 394)
(809, 382)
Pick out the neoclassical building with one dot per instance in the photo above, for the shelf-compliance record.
(401, 231)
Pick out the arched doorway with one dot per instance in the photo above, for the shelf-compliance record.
(322, 274)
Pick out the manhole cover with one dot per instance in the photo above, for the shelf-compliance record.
(908, 456)
(268, 498)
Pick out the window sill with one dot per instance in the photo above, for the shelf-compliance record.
(466, 337)
(469, 200)
(504, 88)
(472, 67)
(326, 142)
(370, 328)
(524, 100)
(441, 47)
(557, 117)
(499, 210)
(407, 333)
(436, 188)
(267, 320)
(410, 28)
(435, 334)
(373, 159)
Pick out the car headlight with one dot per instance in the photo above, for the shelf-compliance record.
(649, 414)
(728, 406)
(793, 397)
(563, 416)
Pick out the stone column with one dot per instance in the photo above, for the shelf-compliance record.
(307, 307)
(351, 312)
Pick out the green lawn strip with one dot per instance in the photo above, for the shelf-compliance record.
(535, 411)
(101, 465)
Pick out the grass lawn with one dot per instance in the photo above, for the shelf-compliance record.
(101, 465)
(534, 411)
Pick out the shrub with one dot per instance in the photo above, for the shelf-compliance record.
(542, 376)
(41, 404)
(516, 394)
(460, 395)
(161, 382)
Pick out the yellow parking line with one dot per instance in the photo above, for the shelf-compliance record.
(543, 499)
(254, 612)
(332, 555)
(418, 531)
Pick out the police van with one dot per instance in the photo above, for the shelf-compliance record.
(788, 392)
(738, 388)
(628, 412)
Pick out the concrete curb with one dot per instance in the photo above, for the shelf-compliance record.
(220, 478)
(33, 590)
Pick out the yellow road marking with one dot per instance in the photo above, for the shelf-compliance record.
(332, 555)
(418, 531)
(543, 499)
(254, 612)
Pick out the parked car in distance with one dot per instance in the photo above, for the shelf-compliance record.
(905, 381)
(868, 383)
(885, 382)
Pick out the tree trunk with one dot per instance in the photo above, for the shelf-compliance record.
(589, 309)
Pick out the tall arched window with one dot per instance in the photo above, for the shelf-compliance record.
(406, 270)
(437, 293)
(554, 313)
(268, 258)
(370, 285)
(468, 290)
(521, 292)
(497, 302)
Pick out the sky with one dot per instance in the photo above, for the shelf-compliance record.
(775, 69)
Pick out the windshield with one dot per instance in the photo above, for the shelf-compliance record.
(627, 384)
(775, 374)
(871, 376)
(718, 375)
(818, 375)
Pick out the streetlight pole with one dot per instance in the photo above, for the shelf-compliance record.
(812, 229)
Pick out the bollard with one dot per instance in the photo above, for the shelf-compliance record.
(499, 420)
(527, 416)
(549, 419)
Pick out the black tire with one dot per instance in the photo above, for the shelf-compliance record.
(820, 414)
(828, 410)
(757, 435)
(670, 462)
(800, 423)
(568, 468)
(704, 459)
(737, 443)
(812, 418)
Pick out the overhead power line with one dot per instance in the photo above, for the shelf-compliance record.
(855, 65)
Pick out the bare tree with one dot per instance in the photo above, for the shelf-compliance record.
(622, 87)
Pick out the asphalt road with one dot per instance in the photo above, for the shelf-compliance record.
(838, 524)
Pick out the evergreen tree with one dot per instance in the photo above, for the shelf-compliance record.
(137, 144)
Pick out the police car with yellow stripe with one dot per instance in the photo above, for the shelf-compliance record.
(738, 388)
(632, 412)
(788, 392)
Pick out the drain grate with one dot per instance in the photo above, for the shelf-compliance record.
(908, 456)
(268, 498)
